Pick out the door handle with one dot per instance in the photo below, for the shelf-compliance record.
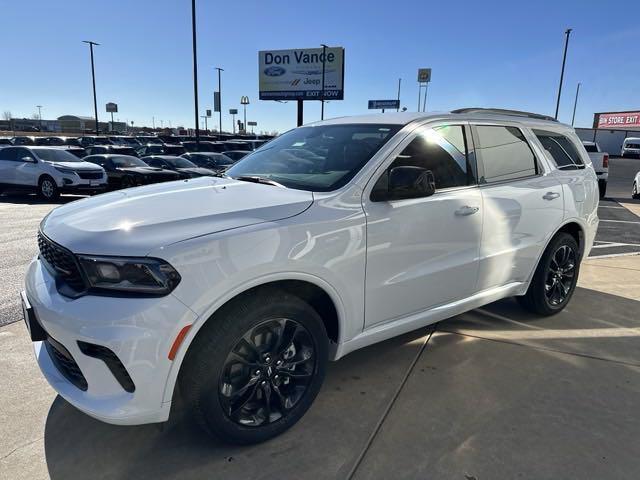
(551, 195)
(466, 210)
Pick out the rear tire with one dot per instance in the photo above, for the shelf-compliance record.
(555, 278)
(255, 367)
(602, 187)
(47, 188)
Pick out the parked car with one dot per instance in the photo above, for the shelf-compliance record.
(111, 149)
(635, 190)
(235, 145)
(48, 171)
(90, 140)
(341, 234)
(211, 160)
(178, 164)
(600, 162)
(631, 147)
(5, 141)
(205, 146)
(22, 140)
(56, 141)
(236, 155)
(146, 139)
(163, 149)
(77, 151)
(126, 171)
(125, 141)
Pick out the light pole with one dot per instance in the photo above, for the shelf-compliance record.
(195, 71)
(39, 107)
(220, 94)
(324, 61)
(93, 76)
(575, 103)
(206, 127)
(564, 60)
(399, 83)
(244, 101)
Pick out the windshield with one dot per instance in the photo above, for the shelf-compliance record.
(51, 155)
(127, 161)
(320, 158)
(180, 163)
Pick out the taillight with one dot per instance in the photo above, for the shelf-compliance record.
(605, 161)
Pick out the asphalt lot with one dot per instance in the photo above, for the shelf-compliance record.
(495, 393)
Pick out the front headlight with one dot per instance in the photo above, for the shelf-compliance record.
(67, 171)
(136, 275)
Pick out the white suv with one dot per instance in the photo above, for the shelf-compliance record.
(329, 238)
(48, 171)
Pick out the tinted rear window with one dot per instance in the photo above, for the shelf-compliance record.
(505, 153)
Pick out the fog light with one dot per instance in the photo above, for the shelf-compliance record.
(67, 181)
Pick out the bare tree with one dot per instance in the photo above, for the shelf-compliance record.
(6, 115)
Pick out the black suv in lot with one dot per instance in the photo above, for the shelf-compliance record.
(125, 171)
(111, 149)
(177, 164)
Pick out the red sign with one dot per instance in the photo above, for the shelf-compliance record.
(626, 119)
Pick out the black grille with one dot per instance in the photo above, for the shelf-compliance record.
(62, 262)
(97, 175)
(65, 363)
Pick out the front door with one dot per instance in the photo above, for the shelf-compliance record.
(423, 252)
(27, 171)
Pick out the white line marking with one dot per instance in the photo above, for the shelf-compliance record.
(615, 244)
(609, 245)
(614, 255)
(620, 221)
(606, 206)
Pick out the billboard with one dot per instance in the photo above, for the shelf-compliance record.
(112, 107)
(297, 74)
(424, 75)
(617, 119)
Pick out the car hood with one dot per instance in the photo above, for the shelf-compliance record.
(135, 221)
(76, 165)
(145, 170)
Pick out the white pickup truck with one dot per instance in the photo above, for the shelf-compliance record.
(600, 161)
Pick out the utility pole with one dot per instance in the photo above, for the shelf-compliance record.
(206, 126)
(39, 107)
(399, 83)
(324, 61)
(220, 94)
(93, 76)
(244, 101)
(195, 71)
(575, 104)
(564, 60)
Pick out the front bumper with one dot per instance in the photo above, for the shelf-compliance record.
(140, 331)
(83, 188)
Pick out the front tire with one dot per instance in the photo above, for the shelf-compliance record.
(256, 367)
(555, 278)
(47, 188)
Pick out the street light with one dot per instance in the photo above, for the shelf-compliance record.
(244, 101)
(93, 77)
(195, 71)
(220, 95)
(39, 107)
(575, 103)
(564, 59)
(324, 60)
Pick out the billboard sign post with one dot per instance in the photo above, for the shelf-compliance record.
(424, 77)
(297, 75)
(111, 108)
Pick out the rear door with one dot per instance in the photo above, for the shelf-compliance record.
(523, 203)
(8, 165)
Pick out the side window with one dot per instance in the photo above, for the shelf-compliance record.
(23, 153)
(8, 153)
(504, 153)
(560, 148)
(443, 150)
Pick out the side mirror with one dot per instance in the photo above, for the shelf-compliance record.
(29, 160)
(410, 182)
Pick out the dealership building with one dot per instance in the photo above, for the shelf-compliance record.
(611, 128)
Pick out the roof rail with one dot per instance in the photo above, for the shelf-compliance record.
(501, 111)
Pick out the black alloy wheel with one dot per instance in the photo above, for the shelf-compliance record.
(560, 275)
(267, 372)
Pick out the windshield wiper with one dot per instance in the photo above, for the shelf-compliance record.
(257, 179)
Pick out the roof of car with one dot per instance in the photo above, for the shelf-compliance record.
(164, 157)
(632, 138)
(404, 118)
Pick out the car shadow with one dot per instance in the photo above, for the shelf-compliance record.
(329, 438)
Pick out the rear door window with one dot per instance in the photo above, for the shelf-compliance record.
(504, 153)
(9, 153)
(560, 149)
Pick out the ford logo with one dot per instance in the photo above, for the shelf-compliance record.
(274, 71)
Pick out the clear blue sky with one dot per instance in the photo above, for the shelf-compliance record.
(483, 53)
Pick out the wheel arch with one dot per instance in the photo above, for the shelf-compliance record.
(311, 289)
